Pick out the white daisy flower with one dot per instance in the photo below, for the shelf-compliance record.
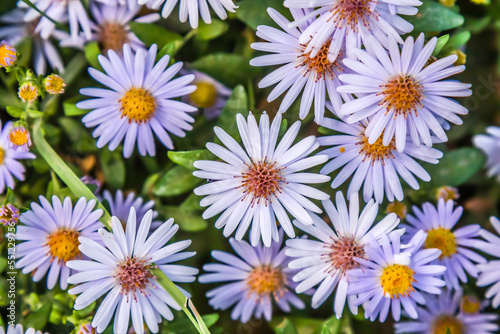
(18, 329)
(192, 9)
(404, 92)
(352, 22)
(260, 183)
(121, 270)
(393, 276)
(255, 280)
(316, 76)
(456, 254)
(326, 262)
(450, 311)
(14, 30)
(71, 11)
(490, 144)
(51, 233)
(490, 271)
(139, 101)
(377, 166)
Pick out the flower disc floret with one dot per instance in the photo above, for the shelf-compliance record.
(397, 280)
(442, 239)
(138, 105)
(63, 245)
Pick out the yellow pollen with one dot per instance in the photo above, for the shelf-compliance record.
(443, 240)
(266, 280)
(397, 280)
(342, 149)
(28, 92)
(376, 151)
(445, 323)
(112, 36)
(63, 244)
(8, 55)
(138, 105)
(19, 136)
(320, 65)
(205, 94)
(352, 13)
(398, 208)
(2, 154)
(470, 305)
(340, 254)
(262, 180)
(54, 84)
(403, 95)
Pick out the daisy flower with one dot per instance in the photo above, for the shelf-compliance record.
(376, 165)
(326, 262)
(210, 95)
(253, 280)
(393, 276)
(14, 30)
(352, 22)
(455, 245)
(8, 55)
(489, 273)
(20, 138)
(316, 77)
(259, 183)
(71, 11)
(450, 311)
(51, 233)
(404, 91)
(10, 167)
(193, 9)
(18, 329)
(121, 270)
(9, 215)
(139, 101)
(120, 205)
(490, 144)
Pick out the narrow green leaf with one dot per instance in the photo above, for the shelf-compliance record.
(286, 327)
(176, 181)
(434, 17)
(331, 326)
(211, 31)
(186, 159)
(441, 42)
(14, 112)
(456, 41)
(92, 51)
(70, 108)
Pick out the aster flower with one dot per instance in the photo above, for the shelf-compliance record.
(378, 166)
(258, 184)
(446, 312)
(393, 276)
(51, 233)
(352, 22)
(192, 9)
(15, 30)
(10, 167)
(210, 95)
(120, 205)
(9, 215)
(139, 101)
(20, 138)
(121, 270)
(54, 84)
(28, 92)
(405, 93)
(455, 244)
(18, 329)
(326, 262)
(316, 76)
(8, 55)
(490, 271)
(253, 280)
(490, 144)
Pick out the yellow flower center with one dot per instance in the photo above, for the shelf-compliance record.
(398, 208)
(352, 13)
(8, 55)
(340, 254)
(28, 92)
(19, 136)
(265, 280)
(445, 323)
(376, 151)
(138, 105)
(447, 193)
(2, 154)
(470, 305)
(262, 180)
(320, 65)
(112, 36)
(402, 94)
(54, 84)
(63, 244)
(443, 240)
(205, 94)
(397, 280)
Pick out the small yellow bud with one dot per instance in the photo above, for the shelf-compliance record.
(447, 193)
(447, 3)
(205, 94)
(8, 55)
(28, 92)
(398, 208)
(54, 84)
(20, 138)
(462, 57)
(470, 304)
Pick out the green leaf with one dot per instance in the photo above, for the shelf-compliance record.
(331, 326)
(182, 326)
(187, 221)
(211, 31)
(237, 103)
(433, 17)
(113, 168)
(441, 42)
(456, 41)
(186, 159)
(14, 112)
(176, 181)
(254, 13)
(170, 49)
(74, 68)
(285, 327)
(456, 167)
(70, 108)
(228, 68)
(39, 318)
(151, 33)
(92, 51)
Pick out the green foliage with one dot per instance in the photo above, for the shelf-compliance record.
(176, 181)
(434, 17)
(151, 33)
(187, 158)
(230, 69)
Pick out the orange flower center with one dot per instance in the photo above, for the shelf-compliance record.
(320, 65)
(262, 180)
(442, 239)
(19, 136)
(376, 151)
(446, 323)
(341, 253)
(397, 280)
(403, 94)
(112, 36)
(63, 244)
(351, 13)
(266, 280)
(138, 105)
